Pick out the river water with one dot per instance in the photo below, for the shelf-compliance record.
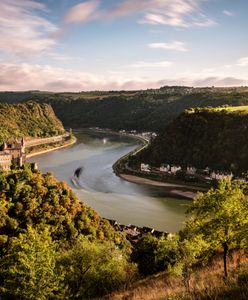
(111, 196)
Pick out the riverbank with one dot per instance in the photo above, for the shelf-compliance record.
(53, 148)
(176, 190)
(181, 190)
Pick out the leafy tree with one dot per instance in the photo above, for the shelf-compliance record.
(28, 268)
(189, 253)
(154, 255)
(31, 198)
(220, 216)
(93, 269)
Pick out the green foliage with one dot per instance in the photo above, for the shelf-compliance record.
(189, 253)
(29, 119)
(203, 138)
(34, 266)
(28, 268)
(154, 255)
(44, 252)
(141, 110)
(93, 269)
(31, 198)
(220, 217)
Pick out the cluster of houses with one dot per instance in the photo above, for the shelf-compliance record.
(133, 233)
(163, 168)
(12, 152)
(148, 135)
(220, 176)
(191, 171)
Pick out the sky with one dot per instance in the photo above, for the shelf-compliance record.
(75, 45)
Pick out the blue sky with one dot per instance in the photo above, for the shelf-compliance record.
(71, 45)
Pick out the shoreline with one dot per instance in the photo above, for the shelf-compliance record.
(173, 189)
(74, 140)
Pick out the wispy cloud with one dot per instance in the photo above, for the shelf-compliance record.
(83, 12)
(38, 77)
(22, 30)
(174, 45)
(155, 64)
(243, 62)
(228, 13)
(178, 13)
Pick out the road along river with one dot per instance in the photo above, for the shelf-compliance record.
(111, 196)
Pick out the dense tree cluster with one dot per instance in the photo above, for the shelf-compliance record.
(54, 247)
(29, 119)
(151, 109)
(218, 222)
(203, 138)
(30, 198)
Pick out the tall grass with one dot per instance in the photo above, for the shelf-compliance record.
(206, 283)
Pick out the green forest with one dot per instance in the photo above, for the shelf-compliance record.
(28, 119)
(54, 247)
(210, 137)
(142, 110)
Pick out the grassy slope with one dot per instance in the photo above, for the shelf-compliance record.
(206, 284)
(30, 119)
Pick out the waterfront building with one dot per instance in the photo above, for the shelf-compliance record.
(174, 169)
(145, 168)
(12, 151)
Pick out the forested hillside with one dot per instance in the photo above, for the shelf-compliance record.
(141, 110)
(211, 137)
(29, 119)
(52, 246)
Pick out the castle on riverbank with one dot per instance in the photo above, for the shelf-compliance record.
(12, 152)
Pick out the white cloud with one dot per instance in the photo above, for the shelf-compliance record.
(82, 12)
(155, 64)
(228, 13)
(178, 13)
(15, 77)
(220, 82)
(22, 30)
(174, 45)
(243, 62)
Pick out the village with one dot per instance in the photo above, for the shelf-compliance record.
(133, 233)
(173, 170)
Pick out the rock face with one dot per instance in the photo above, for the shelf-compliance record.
(213, 137)
(28, 119)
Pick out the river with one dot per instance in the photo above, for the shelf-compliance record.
(109, 195)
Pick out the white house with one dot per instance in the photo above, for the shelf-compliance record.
(174, 169)
(221, 176)
(164, 168)
(145, 168)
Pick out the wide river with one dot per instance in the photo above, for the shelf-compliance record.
(111, 196)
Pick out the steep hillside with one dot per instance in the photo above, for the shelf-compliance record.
(216, 138)
(148, 110)
(29, 119)
(143, 110)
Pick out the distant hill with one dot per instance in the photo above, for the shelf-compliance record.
(213, 137)
(144, 110)
(29, 119)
